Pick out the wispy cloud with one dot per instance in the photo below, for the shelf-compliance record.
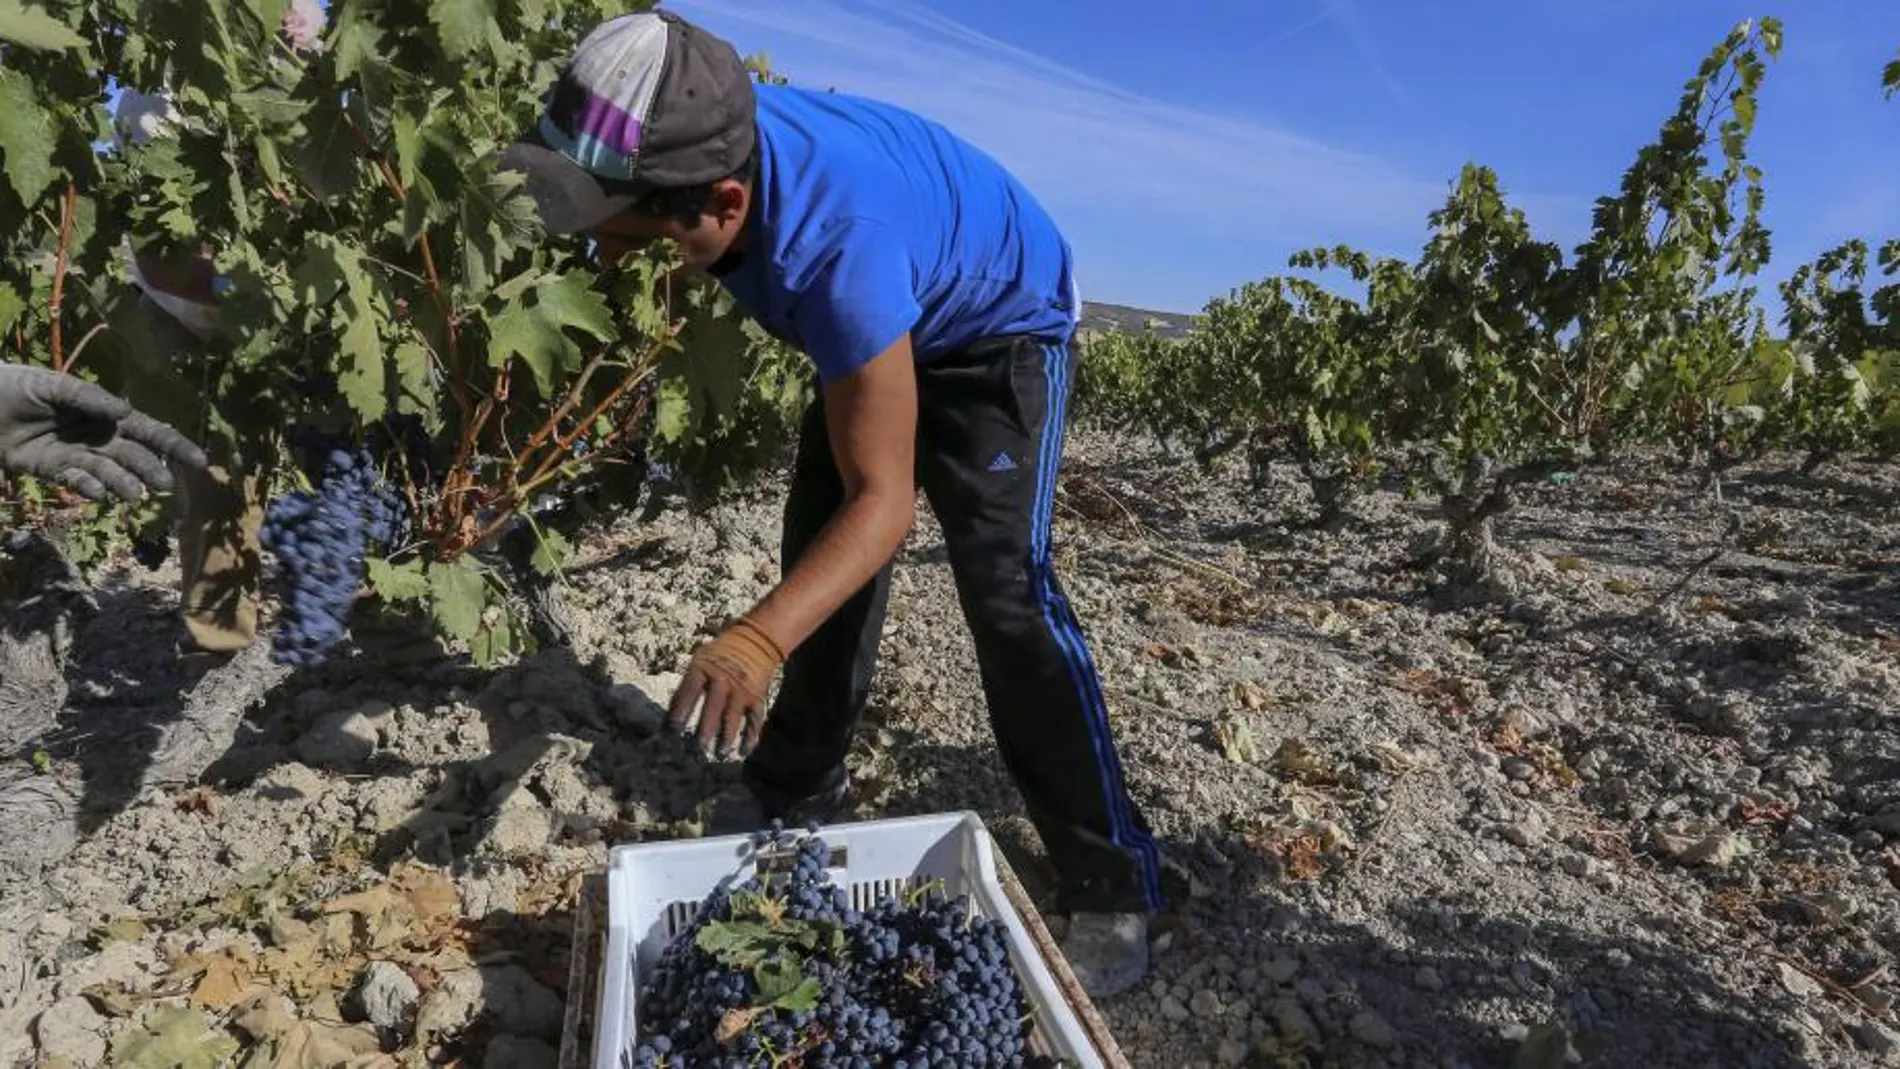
(1088, 147)
(1350, 19)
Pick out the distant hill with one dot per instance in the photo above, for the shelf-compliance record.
(1106, 317)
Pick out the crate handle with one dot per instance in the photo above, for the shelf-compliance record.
(774, 861)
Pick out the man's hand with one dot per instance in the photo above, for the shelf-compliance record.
(731, 674)
(60, 427)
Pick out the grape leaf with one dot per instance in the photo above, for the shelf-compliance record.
(363, 370)
(414, 393)
(491, 643)
(714, 357)
(11, 305)
(321, 276)
(741, 944)
(408, 133)
(673, 412)
(326, 154)
(463, 24)
(271, 106)
(356, 41)
(398, 582)
(783, 985)
(457, 594)
(529, 334)
(270, 13)
(570, 301)
(27, 136)
(35, 29)
(551, 550)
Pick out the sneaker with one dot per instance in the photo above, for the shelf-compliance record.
(1107, 952)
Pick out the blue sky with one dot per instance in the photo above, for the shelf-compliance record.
(1190, 147)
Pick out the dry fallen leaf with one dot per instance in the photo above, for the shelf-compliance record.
(285, 1042)
(1302, 858)
(173, 1038)
(309, 1045)
(430, 892)
(733, 1024)
(550, 893)
(1236, 740)
(1301, 763)
(1332, 837)
(416, 906)
(121, 929)
(1251, 695)
(266, 1016)
(301, 967)
(225, 984)
(201, 801)
(1394, 757)
(225, 977)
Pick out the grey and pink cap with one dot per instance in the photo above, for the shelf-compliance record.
(647, 101)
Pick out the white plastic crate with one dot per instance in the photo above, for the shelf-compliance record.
(654, 890)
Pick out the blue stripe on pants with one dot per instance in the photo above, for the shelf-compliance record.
(1059, 617)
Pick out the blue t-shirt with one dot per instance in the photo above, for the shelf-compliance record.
(868, 221)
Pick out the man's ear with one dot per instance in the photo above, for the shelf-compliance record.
(730, 201)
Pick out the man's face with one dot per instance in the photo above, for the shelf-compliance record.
(700, 246)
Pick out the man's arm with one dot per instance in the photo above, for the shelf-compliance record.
(871, 418)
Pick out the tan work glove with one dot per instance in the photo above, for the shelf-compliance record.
(731, 673)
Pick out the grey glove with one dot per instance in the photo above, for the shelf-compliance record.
(61, 427)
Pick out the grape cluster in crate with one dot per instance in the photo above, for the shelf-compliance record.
(784, 973)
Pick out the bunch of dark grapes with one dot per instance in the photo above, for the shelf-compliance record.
(320, 539)
(919, 983)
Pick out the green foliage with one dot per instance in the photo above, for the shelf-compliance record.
(1835, 388)
(774, 948)
(1649, 326)
(381, 270)
(731, 399)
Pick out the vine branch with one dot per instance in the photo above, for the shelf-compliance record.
(68, 209)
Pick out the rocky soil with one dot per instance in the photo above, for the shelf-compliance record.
(1634, 812)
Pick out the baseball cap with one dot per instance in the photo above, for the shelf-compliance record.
(647, 101)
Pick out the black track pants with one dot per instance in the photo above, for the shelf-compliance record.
(989, 442)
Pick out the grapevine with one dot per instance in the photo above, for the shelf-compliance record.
(785, 973)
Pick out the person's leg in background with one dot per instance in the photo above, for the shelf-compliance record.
(218, 511)
(220, 556)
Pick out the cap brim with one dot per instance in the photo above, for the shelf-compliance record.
(569, 199)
